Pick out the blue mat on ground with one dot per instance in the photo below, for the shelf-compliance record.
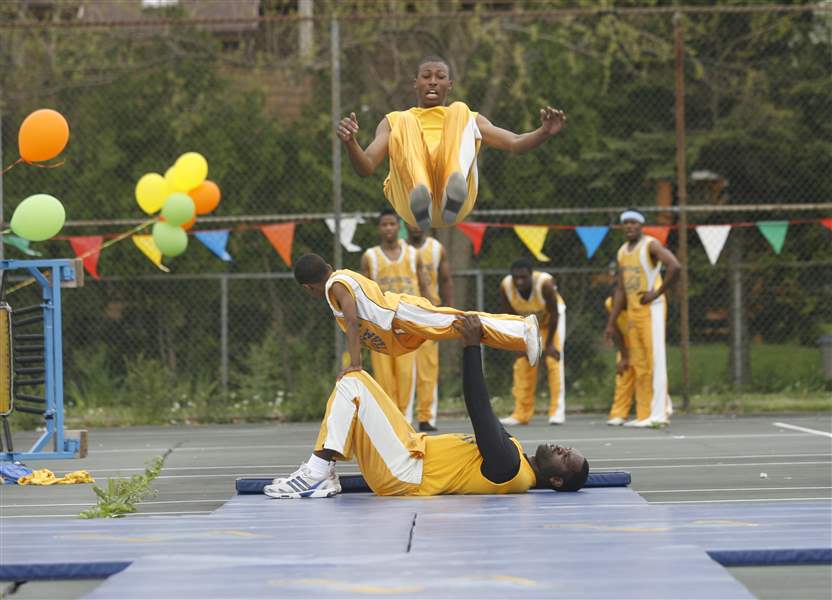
(531, 545)
(356, 484)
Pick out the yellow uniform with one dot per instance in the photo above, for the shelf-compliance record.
(395, 374)
(362, 421)
(625, 383)
(525, 376)
(425, 146)
(396, 324)
(645, 333)
(427, 356)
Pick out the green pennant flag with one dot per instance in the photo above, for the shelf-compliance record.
(774, 232)
(20, 244)
(402, 230)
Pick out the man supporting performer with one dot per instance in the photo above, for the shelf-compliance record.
(362, 421)
(435, 275)
(393, 265)
(433, 149)
(396, 324)
(640, 288)
(529, 292)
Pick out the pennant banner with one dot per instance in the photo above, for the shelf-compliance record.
(592, 238)
(474, 232)
(534, 236)
(774, 232)
(660, 232)
(713, 238)
(281, 236)
(20, 244)
(348, 227)
(216, 242)
(402, 230)
(148, 247)
(826, 223)
(88, 248)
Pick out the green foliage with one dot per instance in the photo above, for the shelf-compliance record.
(120, 496)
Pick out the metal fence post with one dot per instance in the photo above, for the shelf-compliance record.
(681, 190)
(335, 50)
(224, 333)
(2, 250)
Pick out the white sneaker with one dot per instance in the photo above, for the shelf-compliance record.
(421, 206)
(532, 338)
(511, 421)
(456, 190)
(302, 484)
(616, 422)
(641, 424)
(556, 420)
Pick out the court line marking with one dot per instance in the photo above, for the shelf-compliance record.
(744, 489)
(736, 500)
(754, 464)
(803, 429)
(222, 499)
(172, 513)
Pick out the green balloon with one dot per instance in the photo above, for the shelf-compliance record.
(38, 217)
(170, 239)
(178, 209)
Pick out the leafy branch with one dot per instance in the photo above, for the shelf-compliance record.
(121, 495)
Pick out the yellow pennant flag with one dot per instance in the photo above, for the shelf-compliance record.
(533, 236)
(148, 247)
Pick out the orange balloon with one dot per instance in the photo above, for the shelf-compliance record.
(43, 135)
(187, 226)
(206, 197)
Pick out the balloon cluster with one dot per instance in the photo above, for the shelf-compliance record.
(181, 194)
(43, 135)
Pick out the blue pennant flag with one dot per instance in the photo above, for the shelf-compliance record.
(592, 238)
(215, 241)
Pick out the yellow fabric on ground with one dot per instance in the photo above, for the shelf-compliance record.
(47, 477)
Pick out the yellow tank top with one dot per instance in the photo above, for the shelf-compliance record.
(535, 304)
(452, 464)
(430, 255)
(376, 311)
(639, 272)
(621, 322)
(399, 276)
(431, 120)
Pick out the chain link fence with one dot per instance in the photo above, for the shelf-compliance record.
(250, 85)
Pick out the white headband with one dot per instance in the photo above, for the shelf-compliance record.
(632, 215)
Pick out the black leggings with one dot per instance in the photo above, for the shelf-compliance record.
(501, 458)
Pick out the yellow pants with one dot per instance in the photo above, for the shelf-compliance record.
(397, 377)
(427, 382)
(416, 316)
(646, 344)
(525, 382)
(625, 385)
(412, 163)
(362, 421)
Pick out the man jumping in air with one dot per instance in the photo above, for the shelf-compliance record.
(362, 421)
(433, 149)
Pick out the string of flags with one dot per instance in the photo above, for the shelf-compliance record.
(281, 237)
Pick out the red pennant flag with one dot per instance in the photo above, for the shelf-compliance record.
(660, 232)
(281, 236)
(826, 223)
(88, 248)
(474, 232)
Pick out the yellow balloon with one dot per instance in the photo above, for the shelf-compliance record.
(170, 178)
(151, 192)
(190, 170)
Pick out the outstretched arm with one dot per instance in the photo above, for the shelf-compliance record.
(446, 283)
(501, 459)
(618, 302)
(551, 297)
(552, 121)
(348, 307)
(363, 161)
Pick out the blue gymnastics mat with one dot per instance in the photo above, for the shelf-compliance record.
(540, 544)
(355, 483)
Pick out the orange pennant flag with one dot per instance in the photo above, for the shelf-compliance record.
(660, 232)
(281, 236)
(88, 248)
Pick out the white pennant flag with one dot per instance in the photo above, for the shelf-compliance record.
(713, 238)
(348, 227)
